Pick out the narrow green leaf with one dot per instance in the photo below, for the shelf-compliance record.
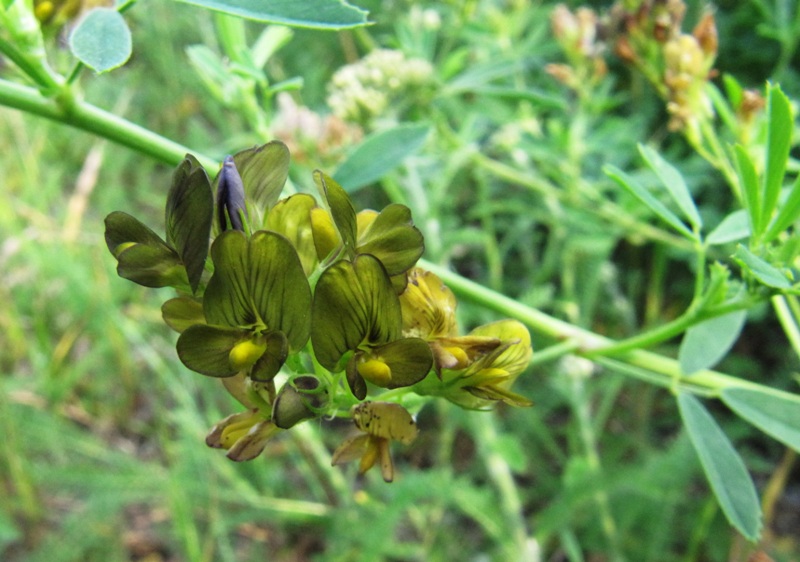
(637, 190)
(751, 192)
(788, 213)
(724, 468)
(776, 414)
(189, 211)
(101, 40)
(779, 139)
(673, 181)
(767, 274)
(733, 227)
(704, 344)
(378, 154)
(320, 14)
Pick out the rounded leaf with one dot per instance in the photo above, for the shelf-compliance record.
(101, 40)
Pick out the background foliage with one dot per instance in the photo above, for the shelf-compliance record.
(103, 455)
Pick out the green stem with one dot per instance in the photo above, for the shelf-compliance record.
(664, 369)
(90, 118)
(788, 320)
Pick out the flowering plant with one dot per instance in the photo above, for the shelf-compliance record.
(306, 310)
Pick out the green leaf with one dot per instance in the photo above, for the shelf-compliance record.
(723, 467)
(226, 300)
(733, 227)
(181, 312)
(341, 208)
(393, 239)
(278, 287)
(751, 192)
(779, 139)
(189, 211)
(206, 349)
(674, 183)
(766, 274)
(409, 360)
(101, 40)
(788, 213)
(704, 344)
(637, 190)
(321, 14)
(378, 154)
(776, 414)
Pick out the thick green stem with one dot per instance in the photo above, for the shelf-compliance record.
(664, 369)
(90, 118)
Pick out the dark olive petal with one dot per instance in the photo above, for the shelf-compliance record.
(230, 197)
(226, 300)
(189, 211)
(263, 170)
(181, 312)
(357, 384)
(152, 266)
(275, 354)
(382, 303)
(123, 230)
(292, 218)
(342, 211)
(206, 349)
(299, 399)
(393, 239)
(278, 287)
(409, 360)
(340, 317)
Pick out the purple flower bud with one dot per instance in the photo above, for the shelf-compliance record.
(230, 196)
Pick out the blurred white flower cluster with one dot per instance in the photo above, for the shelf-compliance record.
(363, 90)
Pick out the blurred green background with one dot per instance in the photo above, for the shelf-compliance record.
(102, 455)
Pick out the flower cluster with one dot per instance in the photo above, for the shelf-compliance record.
(365, 89)
(648, 35)
(302, 309)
